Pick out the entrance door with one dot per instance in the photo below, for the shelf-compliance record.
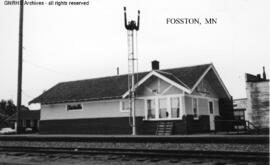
(211, 115)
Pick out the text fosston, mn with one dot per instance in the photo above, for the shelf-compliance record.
(191, 21)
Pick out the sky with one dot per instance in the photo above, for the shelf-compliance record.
(65, 43)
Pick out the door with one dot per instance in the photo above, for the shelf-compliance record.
(211, 115)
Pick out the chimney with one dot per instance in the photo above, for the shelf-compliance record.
(264, 74)
(117, 71)
(155, 65)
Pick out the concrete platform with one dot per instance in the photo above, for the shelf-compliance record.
(195, 138)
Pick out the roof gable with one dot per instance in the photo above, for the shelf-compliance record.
(167, 77)
(215, 80)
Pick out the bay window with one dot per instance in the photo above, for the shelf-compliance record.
(164, 107)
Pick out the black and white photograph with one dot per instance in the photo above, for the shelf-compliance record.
(134, 82)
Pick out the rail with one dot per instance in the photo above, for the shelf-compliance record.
(263, 156)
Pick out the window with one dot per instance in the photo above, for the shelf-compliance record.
(164, 107)
(125, 106)
(195, 107)
(151, 109)
(175, 107)
(239, 115)
(71, 107)
(211, 107)
(163, 113)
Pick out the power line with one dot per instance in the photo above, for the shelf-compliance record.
(45, 68)
(27, 95)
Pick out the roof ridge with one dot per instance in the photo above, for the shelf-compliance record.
(87, 79)
(189, 66)
(162, 70)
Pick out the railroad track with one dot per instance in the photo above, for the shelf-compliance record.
(261, 156)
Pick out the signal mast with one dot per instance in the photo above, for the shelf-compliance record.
(131, 26)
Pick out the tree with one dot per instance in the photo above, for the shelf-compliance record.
(7, 107)
(11, 108)
(3, 104)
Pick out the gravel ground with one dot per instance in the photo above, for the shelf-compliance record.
(66, 159)
(169, 146)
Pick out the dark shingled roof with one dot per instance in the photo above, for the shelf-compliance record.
(173, 78)
(113, 87)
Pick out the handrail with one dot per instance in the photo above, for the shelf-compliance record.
(247, 125)
(257, 129)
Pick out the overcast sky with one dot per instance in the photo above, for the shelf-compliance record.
(63, 43)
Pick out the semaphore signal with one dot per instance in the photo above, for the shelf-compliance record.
(131, 26)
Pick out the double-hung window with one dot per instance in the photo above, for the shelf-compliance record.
(125, 106)
(151, 109)
(175, 107)
(163, 113)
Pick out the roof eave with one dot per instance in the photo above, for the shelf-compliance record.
(78, 100)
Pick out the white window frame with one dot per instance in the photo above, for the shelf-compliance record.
(74, 110)
(121, 105)
(146, 108)
(181, 106)
(167, 107)
(197, 100)
(168, 98)
(213, 104)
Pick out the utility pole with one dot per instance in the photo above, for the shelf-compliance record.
(131, 27)
(20, 57)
